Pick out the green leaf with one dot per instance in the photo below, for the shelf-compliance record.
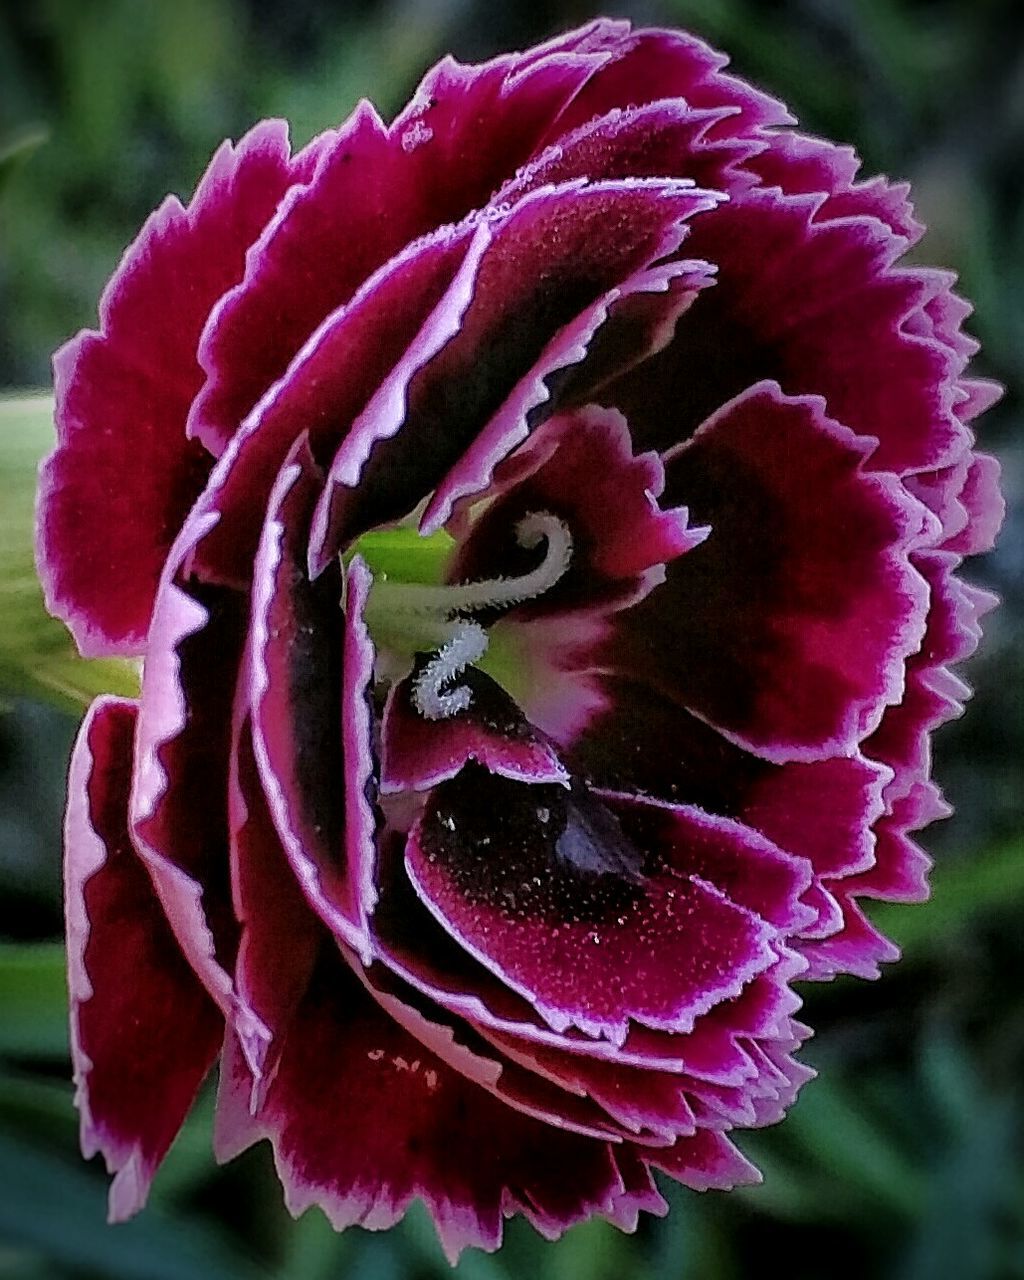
(34, 999)
(15, 151)
(37, 655)
(54, 1208)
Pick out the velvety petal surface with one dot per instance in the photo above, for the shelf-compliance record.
(818, 305)
(557, 261)
(375, 190)
(143, 1033)
(178, 810)
(593, 927)
(788, 628)
(417, 753)
(310, 668)
(363, 1118)
(117, 488)
(396, 321)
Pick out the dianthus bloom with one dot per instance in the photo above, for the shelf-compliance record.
(538, 519)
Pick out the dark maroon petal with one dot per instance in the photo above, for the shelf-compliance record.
(304, 713)
(637, 1099)
(425, 957)
(819, 306)
(544, 286)
(661, 139)
(397, 320)
(460, 1045)
(933, 694)
(280, 936)
(362, 768)
(375, 189)
(788, 628)
(363, 1118)
(178, 805)
(417, 753)
(618, 332)
(568, 912)
(649, 65)
(118, 486)
(143, 1031)
(751, 872)
(823, 810)
(669, 1104)
(706, 1161)
(800, 165)
(580, 468)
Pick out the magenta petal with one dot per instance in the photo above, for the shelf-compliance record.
(580, 467)
(662, 138)
(177, 811)
(309, 716)
(933, 695)
(788, 628)
(706, 1161)
(280, 936)
(819, 306)
(800, 165)
(398, 318)
(823, 810)
(460, 1045)
(984, 506)
(857, 948)
(375, 189)
(556, 262)
(421, 954)
(117, 488)
(560, 905)
(363, 1118)
(143, 1033)
(417, 753)
(649, 65)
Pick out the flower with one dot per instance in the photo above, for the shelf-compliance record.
(539, 520)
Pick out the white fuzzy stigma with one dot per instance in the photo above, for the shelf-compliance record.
(467, 645)
(425, 616)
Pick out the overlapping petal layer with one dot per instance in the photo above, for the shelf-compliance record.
(538, 847)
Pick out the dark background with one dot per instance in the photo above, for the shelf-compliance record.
(903, 1159)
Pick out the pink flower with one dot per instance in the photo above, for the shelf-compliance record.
(493, 890)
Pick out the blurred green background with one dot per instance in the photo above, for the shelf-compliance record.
(903, 1159)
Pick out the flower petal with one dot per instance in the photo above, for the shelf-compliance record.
(179, 784)
(280, 935)
(144, 1033)
(822, 810)
(819, 306)
(556, 262)
(375, 189)
(397, 320)
(417, 753)
(648, 65)
(580, 468)
(309, 720)
(568, 912)
(363, 1118)
(788, 628)
(123, 476)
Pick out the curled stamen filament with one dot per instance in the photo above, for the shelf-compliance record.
(435, 616)
(468, 597)
(467, 645)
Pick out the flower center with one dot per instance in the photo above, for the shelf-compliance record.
(406, 618)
